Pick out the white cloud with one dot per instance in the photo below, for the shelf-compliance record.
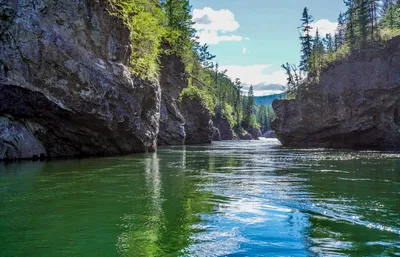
(324, 27)
(208, 19)
(256, 75)
(212, 38)
(210, 24)
(244, 50)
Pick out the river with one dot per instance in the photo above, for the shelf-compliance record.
(225, 199)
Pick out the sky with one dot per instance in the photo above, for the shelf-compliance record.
(253, 38)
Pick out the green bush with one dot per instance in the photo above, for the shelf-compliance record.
(339, 54)
(194, 93)
(228, 112)
(387, 33)
(146, 22)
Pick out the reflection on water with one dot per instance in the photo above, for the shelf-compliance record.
(225, 199)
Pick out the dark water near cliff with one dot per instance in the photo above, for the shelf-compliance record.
(228, 199)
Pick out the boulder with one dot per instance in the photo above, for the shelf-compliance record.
(269, 134)
(255, 133)
(245, 136)
(355, 104)
(65, 85)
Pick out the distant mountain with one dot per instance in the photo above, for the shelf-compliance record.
(268, 99)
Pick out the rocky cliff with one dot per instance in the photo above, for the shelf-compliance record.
(183, 120)
(172, 122)
(65, 88)
(356, 104)
(221, 122)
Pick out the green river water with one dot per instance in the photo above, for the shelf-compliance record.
(225, 199)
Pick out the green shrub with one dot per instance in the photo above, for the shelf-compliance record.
(387, 33)
(228, 112)
(146, 22)
(194, 93)
(340, 54)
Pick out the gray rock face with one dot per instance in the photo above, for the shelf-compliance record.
(63, 67)
(172, 122)
(355, 105)
(17, 140)
(216, 135)
(222, 123)
(198, 124)
(181, 122)
(255, 133)
(245, 136)
(269, 134)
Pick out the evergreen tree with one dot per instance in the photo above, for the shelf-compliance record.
(390, 12)
(329, 43)
(306, 40)
(373, 6)
(205, 57)
(249, 119)
(340, 35)
(386, 4)
(363, 21)
(179, 20)
(237, 105)
(350, 18)
(317, 55)
(293, 79)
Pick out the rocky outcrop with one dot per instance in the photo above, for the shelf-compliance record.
(182, 121)
(172, 81)
(198, 124)
(255, 133)
(245, 136)
(223, 125)
(216, 135)
(17, 140)
(356, 104)
(65, 88)
(269, 134)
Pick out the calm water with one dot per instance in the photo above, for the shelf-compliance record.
(227, 199)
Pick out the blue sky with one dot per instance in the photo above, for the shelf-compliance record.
(252, 38)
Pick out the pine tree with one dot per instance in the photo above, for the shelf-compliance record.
(205, 57)
(329, 43)
(364, 21)
(388, 12)
(350, 19)
(293, 79)
(180, 23)
(306, 40)
(249, 119)
(317, 55)
(237, 104)
(340, 35)
(373, 6)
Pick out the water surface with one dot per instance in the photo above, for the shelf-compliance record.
(225, 199)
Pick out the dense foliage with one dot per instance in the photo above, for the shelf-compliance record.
(165, 27)
(265, 115)
(365, 24)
